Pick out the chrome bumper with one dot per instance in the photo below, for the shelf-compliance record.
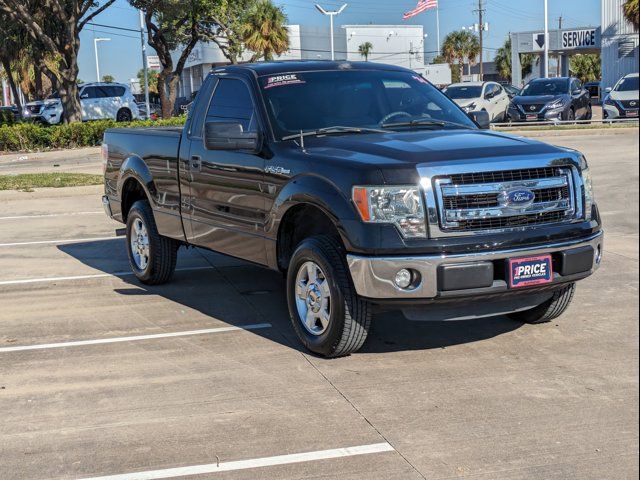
(373, 277)
(106, 204)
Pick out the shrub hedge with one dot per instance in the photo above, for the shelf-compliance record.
(34, 136)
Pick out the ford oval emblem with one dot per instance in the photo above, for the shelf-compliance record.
(520, 198)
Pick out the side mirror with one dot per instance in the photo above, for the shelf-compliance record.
(608, 90)
(481, 118)
(230, 136)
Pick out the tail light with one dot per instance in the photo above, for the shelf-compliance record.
(104, 153)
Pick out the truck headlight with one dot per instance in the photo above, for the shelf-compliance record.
(587, 189)
(469, 108)
(397, 205)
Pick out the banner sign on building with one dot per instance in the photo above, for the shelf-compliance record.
(579, 39)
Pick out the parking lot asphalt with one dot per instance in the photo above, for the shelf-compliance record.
(101, 376)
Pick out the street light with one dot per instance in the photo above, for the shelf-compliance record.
(95, 47)
(331, 15)
(546, 39)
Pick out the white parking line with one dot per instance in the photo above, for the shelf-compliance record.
(47, 215)
(254, 463)
(134, 338)
(59, 242)
(84, 277)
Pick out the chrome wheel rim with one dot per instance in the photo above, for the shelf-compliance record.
(313, 298)
(139, 239)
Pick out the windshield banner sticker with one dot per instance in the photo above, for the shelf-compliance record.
(282, 80)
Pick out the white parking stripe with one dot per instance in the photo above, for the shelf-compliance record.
(84, 277)
(59, 242)
(135, 338)
(255, 463)
(47, 215)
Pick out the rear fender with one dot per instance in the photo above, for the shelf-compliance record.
(135, 167)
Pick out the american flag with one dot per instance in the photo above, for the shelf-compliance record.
(422, 6)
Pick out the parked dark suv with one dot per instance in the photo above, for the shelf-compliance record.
(551, 99)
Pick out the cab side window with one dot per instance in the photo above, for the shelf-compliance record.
(231, 102)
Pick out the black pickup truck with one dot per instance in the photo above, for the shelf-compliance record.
(368, 188)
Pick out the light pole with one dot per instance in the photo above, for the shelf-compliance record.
(95, 47)
(546, 39)
(331, 15)
(145, 66)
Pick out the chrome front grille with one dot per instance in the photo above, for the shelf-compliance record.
(468, 202)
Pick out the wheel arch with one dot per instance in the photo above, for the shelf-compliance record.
(135, 183)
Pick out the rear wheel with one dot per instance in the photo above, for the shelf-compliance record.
(124, 115)
(326, 313)
(589, 114)
(152, 257)
(549, 310)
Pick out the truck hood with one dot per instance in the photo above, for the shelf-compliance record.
(402, 149)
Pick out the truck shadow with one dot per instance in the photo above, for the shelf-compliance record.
(238, 293)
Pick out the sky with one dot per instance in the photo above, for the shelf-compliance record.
(121, 57)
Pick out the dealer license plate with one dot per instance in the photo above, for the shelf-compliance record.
(527, 271)
(532, 118)
(632, 113)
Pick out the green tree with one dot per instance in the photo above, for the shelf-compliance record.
(152, 76)
(229, 24)
(460, 46)
(55, 25)
(503, 61)
(174, 26)
(108, 78)
(12, 38)
(631, 12)
(264, 31)
(365, 50)
(586, 67)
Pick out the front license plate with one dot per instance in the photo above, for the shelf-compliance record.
(632, 113)
(527, 271)
(532, 118)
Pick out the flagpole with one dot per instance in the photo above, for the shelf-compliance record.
(438, 25)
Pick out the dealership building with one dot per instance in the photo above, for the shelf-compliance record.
(619, 44)
(401, 45)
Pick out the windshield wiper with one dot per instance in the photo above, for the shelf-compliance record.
(331, 130)
(426, 123)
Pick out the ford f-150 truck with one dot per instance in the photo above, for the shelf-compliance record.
(368, 188)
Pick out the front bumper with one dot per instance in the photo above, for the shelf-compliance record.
(480, 273)
(544, 115)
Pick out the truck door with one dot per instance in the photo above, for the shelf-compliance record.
(227, 204)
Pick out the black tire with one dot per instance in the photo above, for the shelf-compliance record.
(162, 251)
(571, 115)
(350, 315)
(124, 115)
(589, 114)
(549, 310)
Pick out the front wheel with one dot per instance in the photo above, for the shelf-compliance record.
(152, 257)
(549, 310)
(327, 314)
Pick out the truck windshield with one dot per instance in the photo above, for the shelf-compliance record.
(314, 100)
(555, 86)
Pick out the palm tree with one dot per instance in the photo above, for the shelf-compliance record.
(365, 50)
(503, 61)
(264, 30)
(631, 12)
(460, 46)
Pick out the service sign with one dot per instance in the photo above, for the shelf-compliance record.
(579, 39)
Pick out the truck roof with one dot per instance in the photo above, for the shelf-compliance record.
(284, 66)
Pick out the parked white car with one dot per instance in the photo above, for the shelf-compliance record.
(479, 96)
(622, 100)
(98, 100)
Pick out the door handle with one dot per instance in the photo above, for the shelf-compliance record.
(196, 162)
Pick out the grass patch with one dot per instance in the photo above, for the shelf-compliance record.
(29, 181)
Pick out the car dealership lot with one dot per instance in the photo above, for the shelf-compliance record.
(480, 399)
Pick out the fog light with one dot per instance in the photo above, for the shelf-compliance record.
(403, 278)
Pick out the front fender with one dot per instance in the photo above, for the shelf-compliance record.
(322, 194)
